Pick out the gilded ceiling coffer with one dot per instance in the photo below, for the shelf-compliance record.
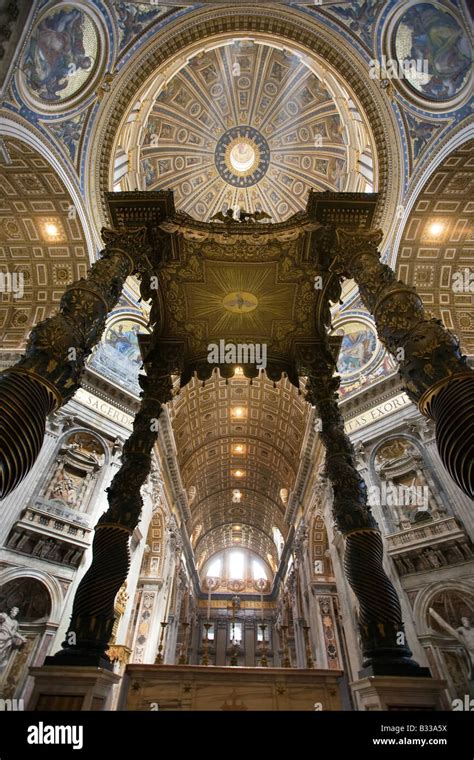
(90, 629)
(435, 372)
(384, 646)
(49, 373)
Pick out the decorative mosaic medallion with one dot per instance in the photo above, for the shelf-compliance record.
(239, 303)
(62, 58)
(434, 49)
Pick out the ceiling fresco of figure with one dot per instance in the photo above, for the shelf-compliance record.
(431, 33)
(62, 57)
(358, 347)
(132, 18)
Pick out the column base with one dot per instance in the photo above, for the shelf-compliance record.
(65, 658)
(66, 688)
(409, 669)
(398, 693)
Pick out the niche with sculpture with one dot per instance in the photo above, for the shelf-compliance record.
(451, 617)
(25, 607)
(78, 463)
(406, 488)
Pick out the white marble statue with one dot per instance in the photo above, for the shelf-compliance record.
(9, 637)
(464, 634)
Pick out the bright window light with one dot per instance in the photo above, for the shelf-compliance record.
(214, 569)
(236, 565)
(258, 570)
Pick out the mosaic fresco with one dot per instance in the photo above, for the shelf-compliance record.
(118, 355)
(359, 344)
(428, 33)
(61, 54)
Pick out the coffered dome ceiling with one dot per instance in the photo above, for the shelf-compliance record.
(246, 124)
(435, 253)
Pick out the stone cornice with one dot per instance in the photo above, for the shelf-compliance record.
(307, 457)
(168, 447)
(370, 397)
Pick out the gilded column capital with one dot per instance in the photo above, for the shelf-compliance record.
(349, 245)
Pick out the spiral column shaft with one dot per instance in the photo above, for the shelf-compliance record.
(384, 647)
(49, 373)
(92, 617)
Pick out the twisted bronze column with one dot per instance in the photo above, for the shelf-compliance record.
(48, 375)
(380, 621)
(92, 617)
(435, 373)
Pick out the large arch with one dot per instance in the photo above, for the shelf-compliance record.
(435, 247)
(46, 246)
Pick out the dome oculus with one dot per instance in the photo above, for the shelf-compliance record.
(242, 156)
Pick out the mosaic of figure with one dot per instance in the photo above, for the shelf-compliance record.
(61, 54)
(428, 33)
(357, 349)
(133, 17)
(361, 16)
(118, 355)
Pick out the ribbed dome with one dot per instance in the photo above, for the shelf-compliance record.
(256, 126)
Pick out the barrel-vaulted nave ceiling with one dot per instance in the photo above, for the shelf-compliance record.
(239, 448)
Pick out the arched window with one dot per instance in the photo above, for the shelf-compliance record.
(258, 570)
(214, 569)
(236, 565)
